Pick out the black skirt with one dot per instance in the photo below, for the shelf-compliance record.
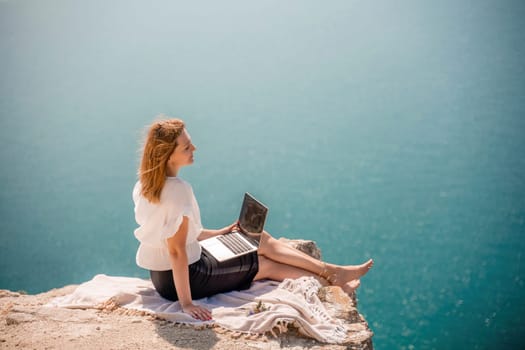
(209, 277)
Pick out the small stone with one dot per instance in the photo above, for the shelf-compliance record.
(305, 246)
(17, 318)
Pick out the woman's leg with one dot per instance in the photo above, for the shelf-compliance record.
(283, 253)
(270, 269)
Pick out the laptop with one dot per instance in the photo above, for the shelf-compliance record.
(236, 243)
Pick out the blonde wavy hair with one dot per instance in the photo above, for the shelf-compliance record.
(159, 144)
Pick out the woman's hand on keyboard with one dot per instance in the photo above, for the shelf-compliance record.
(230, 228)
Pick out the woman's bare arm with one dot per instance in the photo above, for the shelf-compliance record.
(207, 233)
(179, 266)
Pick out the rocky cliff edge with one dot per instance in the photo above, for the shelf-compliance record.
(26, 324)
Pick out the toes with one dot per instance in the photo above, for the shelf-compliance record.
(369, 263)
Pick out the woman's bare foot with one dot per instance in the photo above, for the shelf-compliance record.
(346, 274)
(351, 286)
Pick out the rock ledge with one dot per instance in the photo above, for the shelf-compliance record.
(26, 324)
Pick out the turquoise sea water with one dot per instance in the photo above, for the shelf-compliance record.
(392, 130)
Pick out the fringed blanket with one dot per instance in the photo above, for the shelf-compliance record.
(262, 308)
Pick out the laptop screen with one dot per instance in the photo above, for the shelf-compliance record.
(253, 215)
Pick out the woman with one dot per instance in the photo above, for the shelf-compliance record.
(170, 228)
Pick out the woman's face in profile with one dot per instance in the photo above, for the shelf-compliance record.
(183, 153)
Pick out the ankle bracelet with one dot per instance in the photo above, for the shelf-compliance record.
(330, 278)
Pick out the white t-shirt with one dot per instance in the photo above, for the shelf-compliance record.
(159, 221)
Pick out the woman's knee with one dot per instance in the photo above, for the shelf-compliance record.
(266, 242)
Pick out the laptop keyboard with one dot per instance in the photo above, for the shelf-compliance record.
(235, 243)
